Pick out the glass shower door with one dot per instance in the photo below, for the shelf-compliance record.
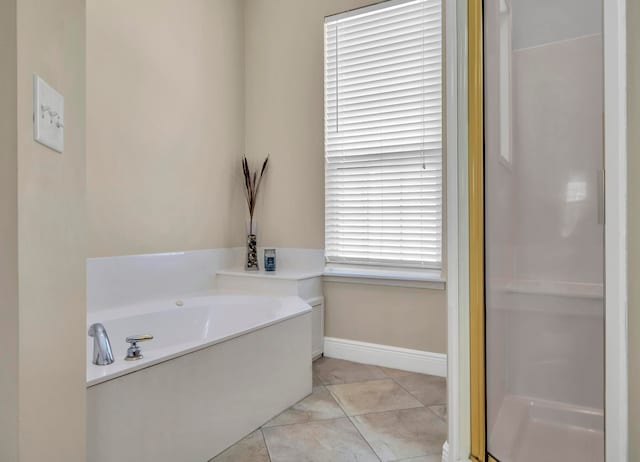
(544, 236)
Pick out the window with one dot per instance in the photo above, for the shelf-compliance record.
(383, 135)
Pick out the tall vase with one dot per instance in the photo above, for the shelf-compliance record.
(252, 253)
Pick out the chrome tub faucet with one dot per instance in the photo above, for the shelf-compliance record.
(102, 354)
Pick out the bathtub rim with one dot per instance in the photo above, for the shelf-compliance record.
(185, 348)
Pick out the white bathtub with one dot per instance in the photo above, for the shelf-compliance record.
(219, 366)
(200, 322)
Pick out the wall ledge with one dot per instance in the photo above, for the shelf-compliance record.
(386, 277)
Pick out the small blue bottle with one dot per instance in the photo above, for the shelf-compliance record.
(269, 259)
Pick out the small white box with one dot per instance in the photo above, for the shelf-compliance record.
(48, 115)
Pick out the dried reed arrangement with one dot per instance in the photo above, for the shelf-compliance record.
(252, 182)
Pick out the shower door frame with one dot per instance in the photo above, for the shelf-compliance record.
(615, 155)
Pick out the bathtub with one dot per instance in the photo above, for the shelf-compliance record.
(219, 366)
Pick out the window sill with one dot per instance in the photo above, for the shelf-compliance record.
(385, 277)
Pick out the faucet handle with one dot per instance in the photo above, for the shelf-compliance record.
(139, 338)
(134, 352)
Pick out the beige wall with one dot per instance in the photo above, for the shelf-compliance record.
(8, 235)
(42, 217)
(162, 174)
(165, 125)
(397, 316)
(285, 114)
(633, 40)
(284, 107)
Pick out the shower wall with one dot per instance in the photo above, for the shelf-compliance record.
(558, 258)
(544, 235)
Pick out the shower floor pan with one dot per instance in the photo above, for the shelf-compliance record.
(529, 430)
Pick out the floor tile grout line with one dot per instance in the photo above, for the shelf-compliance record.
(388, 411)
(415, 397)
(359, 381)
(389, 378)
(380, 412)
(436, 414)
(347, 417)
(310, 420)
(306, 422)
(266, 445)
(337, 400)
(378, 368)
(413, 458)
(392, 377)
(324, 388)
(412, 395)
(364, 438)
(353, 415)
(365, 381)
(395, 379)
(351, 420)
(289, 408)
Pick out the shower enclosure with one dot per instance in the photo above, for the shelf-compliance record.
(544, 232)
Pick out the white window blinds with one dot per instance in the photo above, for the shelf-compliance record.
(383, 135)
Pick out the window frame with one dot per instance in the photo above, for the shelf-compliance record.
(375, 272)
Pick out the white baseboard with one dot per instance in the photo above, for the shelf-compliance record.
(386, 356)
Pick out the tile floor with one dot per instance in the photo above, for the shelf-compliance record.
(356, 413)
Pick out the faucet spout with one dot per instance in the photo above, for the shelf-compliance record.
(102, 354)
